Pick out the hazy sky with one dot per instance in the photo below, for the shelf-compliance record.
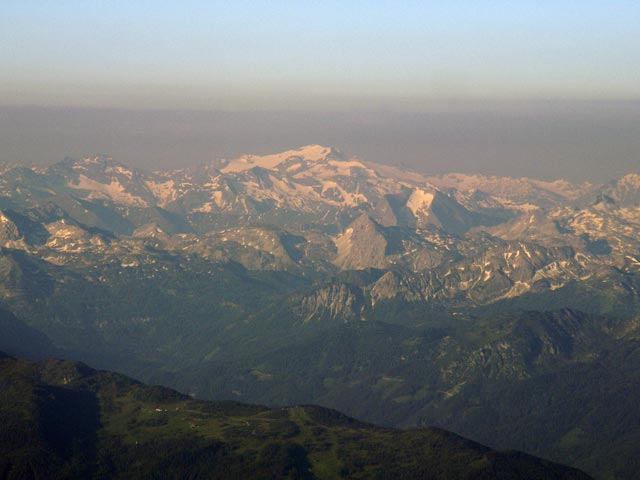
(545, 88)
(302, 53)
(575, 140)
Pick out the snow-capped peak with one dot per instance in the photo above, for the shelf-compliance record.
(311, 153)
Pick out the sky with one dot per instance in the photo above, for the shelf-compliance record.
(594, 141)
(326, 53)
(545, 88)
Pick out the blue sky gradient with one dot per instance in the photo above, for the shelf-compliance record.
(313, 54)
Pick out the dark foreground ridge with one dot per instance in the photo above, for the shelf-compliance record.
(62, 419)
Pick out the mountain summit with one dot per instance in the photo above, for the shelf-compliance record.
(306, 154)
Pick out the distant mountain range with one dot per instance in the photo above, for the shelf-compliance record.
(481, 239)
(506, 309)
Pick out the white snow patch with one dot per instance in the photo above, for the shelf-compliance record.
(113, 191)
(247, 162)
(419, 201)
